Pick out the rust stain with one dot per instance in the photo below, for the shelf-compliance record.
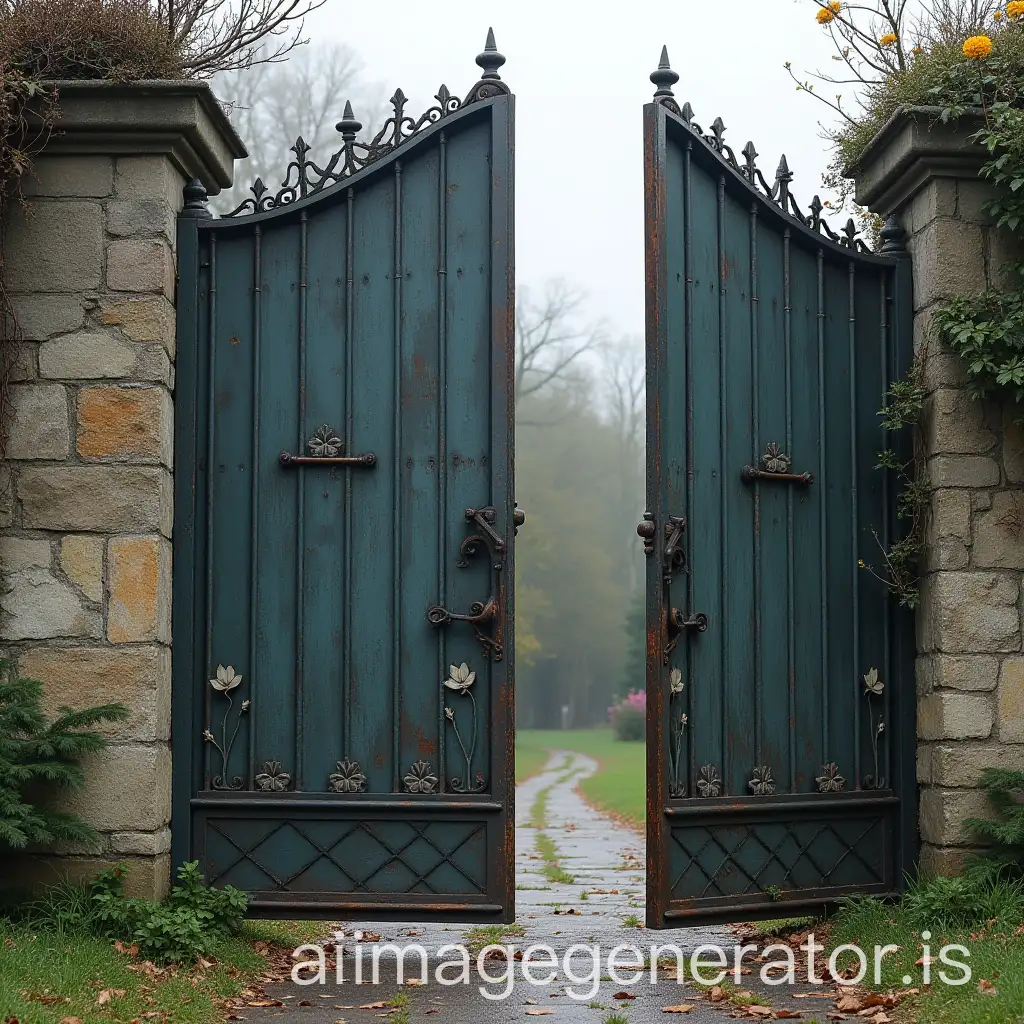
(235, 341)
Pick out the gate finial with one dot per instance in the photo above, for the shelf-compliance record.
(894, 238)
(490, 60)
(349, 125)
(664, 78)
(194, 194)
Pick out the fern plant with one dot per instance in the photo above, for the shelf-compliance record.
(1005, 835)
(40, 756)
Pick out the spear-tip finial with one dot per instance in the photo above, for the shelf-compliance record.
(664, 78)
(349, 126)
(490, 60)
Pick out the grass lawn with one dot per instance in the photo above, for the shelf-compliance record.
(620, 786)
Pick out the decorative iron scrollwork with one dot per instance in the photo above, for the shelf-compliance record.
(420, 778)
(226, 679)
(710, 782)
(349, 778)
(273, 778)
(677, 729)
(676, 624)
(674, 557)
(830, 781)
(778, 191)
(304, 177)
(776, 467)
(484, 519)
(483, 615)
(874, 687)
(327, 449)
(762, 783)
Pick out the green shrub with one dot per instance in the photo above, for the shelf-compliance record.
(977, 897)
(40, 757)
(1005, 835)
(629, 716)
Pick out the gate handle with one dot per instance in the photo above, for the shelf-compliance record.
(776, 465)
(481, 613)
(326, 449)
(676, 624)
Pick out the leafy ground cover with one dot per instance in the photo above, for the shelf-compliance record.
(618, 788)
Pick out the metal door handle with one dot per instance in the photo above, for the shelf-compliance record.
(481, 614)
(676, 624)
(326, 449)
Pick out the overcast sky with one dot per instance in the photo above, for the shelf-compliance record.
(579, 71)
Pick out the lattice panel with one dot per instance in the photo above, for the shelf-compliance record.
(742, 859)
(366, 856)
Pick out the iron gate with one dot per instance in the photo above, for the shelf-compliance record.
(779, 674)
(343, 661)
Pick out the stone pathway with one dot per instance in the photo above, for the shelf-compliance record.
(580, 881)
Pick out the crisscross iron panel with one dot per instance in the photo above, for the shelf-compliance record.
(343, 655)
(779, 673)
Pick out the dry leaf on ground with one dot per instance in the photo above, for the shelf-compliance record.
(682, 1008)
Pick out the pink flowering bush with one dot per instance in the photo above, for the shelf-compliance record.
(629, 716)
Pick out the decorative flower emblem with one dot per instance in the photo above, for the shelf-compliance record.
(273, 779)
(709, 783)
(227, 679)
(349, 778)
(830, 781)
(762, 784)
(421, 779)
(324, 444)
(460, 678)
(675, 681)
(775, 460)
(872, 684)
(449, 714)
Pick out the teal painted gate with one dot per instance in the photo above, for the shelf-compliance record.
(778, 778)
(343, 524)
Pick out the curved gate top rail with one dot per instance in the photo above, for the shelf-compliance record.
(778, 191)
(304, 177)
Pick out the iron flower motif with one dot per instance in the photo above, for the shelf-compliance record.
(273, 778)
(709, 783)
(460, 678)
(872, 684)
(227, 679)
(675, 681)
(830, 781)
(325, 444)
(762, 783)
(775, 460)
(349, 778)
(421, 779)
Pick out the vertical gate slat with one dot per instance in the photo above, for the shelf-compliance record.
(398, 507)
(347, 678)
(210, 478)
(442, 437)
(757, 640)
(255, 668)
(721, 268)
(300, 513)
(822, 487)
(787, 330)
(855, 426)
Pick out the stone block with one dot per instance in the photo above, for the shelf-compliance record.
(140, 218)
(1013, 445)
(39, 426)
(129, 424)
(140, 265)
(951, 514)
(972, 195)
(999, 533)
(942, 861)
(149, 844)
(149, 177)
(924, 763)
(147, 877)
(947, 553)
(98, 355)
(954, 716)
(6, 497)
(970, 613)
(43, 316)
(965, 672)
(127, 789)
(147, 319)
(1002, 251)
(948, 260)
(962, 764)
(75, 177)
(139, 579)
(36, 604)
(54, 247)
(961, 471)
(937, 199)
(943, 812)
(955, 424)
(25, 364)
(1011, 700)
(79, 677)
(96, 499)
(81, 559)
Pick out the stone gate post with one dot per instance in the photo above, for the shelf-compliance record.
(86, 495)
(970, 667)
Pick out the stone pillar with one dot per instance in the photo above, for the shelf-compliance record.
(970, 667)
(85, 506)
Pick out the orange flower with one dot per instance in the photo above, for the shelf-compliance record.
(824, 16)
(977, 47)
(888, 39)
(1015, 8)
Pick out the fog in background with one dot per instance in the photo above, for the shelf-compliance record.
(580, 75)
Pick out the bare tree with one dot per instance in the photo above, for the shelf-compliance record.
(551, 338)
(227, 35)
(272, 104)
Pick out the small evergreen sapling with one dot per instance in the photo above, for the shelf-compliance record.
(1005, 789)
(39, 756)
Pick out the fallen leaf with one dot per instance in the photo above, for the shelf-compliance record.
(415, 982)
(682, 1008)
(849, 1003)
(372, 1006)
(531, 1002)
(788, 1015)
(304, 1002)
(539, 1013)
(717, 994)
(64, 1020)
(926, 960)
(814, 995)
(623, 995)
(759, 1011)
(986, 988)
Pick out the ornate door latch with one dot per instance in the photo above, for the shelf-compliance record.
(484, 616)
(676, 624)
(326, 449)
(674, 555)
